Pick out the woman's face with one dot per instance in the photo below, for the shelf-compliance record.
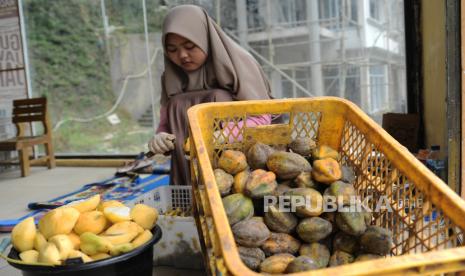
(184, 53)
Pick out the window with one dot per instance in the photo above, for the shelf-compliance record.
(93, 70)
(90, 60)
(378, 85)
(375, 9)
(329, 8)
(333, 78)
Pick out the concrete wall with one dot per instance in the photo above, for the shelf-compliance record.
(434, 72)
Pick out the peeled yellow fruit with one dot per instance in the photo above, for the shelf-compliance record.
(85, 205)
(144, 215)
(49, 254)
(117, 214)
(124, 227)
(92, 244)
(100, 256)
(79, 254)
(39, 241)
(142, 238)
(63, 244)
(75, 240)
(121, 238)
(121, 248)
(23, 235)
(29, 256)
(58, 221)
(109, 203)
(93, 221)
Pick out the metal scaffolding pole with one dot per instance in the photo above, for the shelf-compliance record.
(314, 51)
(242, 30)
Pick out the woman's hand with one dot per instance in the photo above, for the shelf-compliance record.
(161, 143)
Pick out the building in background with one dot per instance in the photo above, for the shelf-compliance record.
(346, 48)
(101, 59)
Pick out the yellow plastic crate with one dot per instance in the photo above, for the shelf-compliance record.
(428, 218)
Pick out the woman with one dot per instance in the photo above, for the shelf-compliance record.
(202, 64)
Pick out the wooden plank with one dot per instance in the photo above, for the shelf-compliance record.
(25, 119)
(33, 101)
(453, 71)
(462, 144)
(27, 110)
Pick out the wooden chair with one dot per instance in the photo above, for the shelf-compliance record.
(27, 111)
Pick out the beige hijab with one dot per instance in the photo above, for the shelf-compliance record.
(228, 66)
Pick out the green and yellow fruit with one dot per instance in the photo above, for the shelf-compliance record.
(39, 241)
(345, 242)
(351, 222)
(302, 146)
(100, 256)
(304, 180)
(258, 154)
(276, 264)
(109, 203)
(281, 222)
(301, 263)
(260, 183)
(92, 221)
(63, 244)
(144, 216)
(252, 257)
(323, 152)
(117, 214)
(287, 165)
(314, 229)
(79, 254)
(92, 244)
(121, 249)
(49, 254)
(142, 238)
(238, 207)
(224, 181)
(250, 233)
(121, 238)
(308, 201)
(23, 235)
(240, 179)
(343, 192)
(75, 239)
(316, 251)
(232, 161)
(29, 256)
(340, 258)
(85, 205)
(58, 221)
(326, 170)
(280, 243)
(376, 240)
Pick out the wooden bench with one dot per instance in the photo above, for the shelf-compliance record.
(26, 111)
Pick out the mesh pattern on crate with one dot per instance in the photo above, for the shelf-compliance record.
(229, 131)
(416, 224)
(305, 124)
(181, 197)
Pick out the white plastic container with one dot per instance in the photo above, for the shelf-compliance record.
(179, 245)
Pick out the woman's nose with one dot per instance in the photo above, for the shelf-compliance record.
(182, 54)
